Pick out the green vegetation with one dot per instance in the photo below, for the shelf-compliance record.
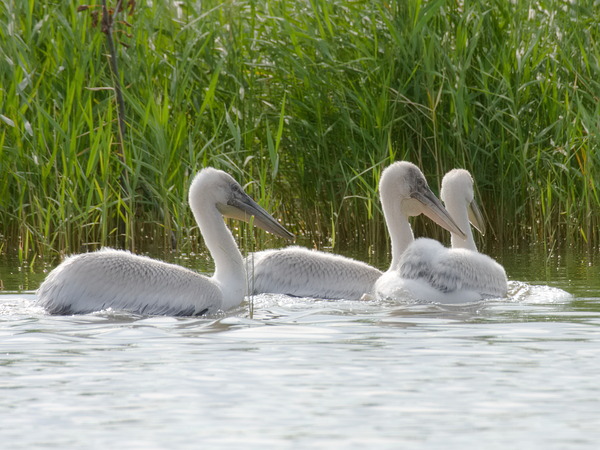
(309, 98)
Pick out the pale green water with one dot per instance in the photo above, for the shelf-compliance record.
(519, 373)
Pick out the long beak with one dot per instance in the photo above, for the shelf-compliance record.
(475, 217)
(433, 208)
(241, 206)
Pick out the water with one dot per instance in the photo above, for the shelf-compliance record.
(299, 373)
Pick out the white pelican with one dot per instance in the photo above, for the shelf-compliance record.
(309, 273)
(301, 272)
(120, 280)
(429, 271)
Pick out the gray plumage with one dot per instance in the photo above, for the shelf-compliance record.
(301, 272)
(451, 270)
(429, 271)
(120, 280)
(310, 273)
(111, 276)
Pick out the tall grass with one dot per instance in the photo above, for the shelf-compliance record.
(311, 99)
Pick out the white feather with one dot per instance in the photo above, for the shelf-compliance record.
(429, 271)
(310, 273)
(302, 272)
(122, 281)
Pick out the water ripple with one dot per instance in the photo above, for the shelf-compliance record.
(291, 372)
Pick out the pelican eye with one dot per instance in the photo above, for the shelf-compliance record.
(236, 192)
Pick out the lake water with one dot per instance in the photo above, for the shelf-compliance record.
(300, 373)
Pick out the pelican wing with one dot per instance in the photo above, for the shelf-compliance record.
(122, 281)
(451, 270)
(302, 272)
(462, 269)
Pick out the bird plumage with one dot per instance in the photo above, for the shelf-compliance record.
(301, 272)
(109, 276)
(123, 281)
(310, 273)
(429, 271)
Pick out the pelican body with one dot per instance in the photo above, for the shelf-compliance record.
(429, 271)
(310, 273)
(301, 272)
(123, 281)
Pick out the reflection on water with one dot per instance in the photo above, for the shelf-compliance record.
(515, 373)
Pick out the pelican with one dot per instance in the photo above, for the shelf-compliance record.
(429, 271)
(120, 280)
(301, 272)
(309, 273)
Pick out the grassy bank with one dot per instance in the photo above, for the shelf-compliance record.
(311, 99)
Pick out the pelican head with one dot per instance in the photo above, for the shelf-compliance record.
(212, 186)
(405, 182)
(457, 191)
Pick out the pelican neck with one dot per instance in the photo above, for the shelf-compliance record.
(399, 228)
(460, 215)
(229, 274)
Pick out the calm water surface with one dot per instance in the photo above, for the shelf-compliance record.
(300, 373)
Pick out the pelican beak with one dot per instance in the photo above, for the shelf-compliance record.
(241, 206)
(433, 208)
(475, 217)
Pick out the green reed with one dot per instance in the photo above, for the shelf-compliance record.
(307, 102)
